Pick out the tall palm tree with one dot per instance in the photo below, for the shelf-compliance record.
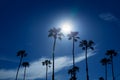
(74, 37)
(85, 46)
(72, 72)
(101, 78)
(47, 64)
(20, 54)
(111, 54)
(25, 64)
(56, 34)
(104, 62)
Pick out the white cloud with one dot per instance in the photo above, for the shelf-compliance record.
(37, 70)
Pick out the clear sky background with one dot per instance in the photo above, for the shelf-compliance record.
(24, 24)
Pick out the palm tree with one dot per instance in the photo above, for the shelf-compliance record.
(104, 62)
(101, 78)
(74, 37)
(47, 64)
(56, 34)
(20, 54)
(111, 53)
(85, 46)
(72, 72)
(75, 69)
(25, 64)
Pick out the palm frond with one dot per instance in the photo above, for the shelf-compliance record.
(78, 37)
(75, 40)
(92, 48)
(50, 34)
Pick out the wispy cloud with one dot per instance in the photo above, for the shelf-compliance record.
(108, 17)
(36, 70)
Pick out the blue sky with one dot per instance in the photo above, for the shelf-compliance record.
(24, 24)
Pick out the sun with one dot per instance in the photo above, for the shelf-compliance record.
(66, 28)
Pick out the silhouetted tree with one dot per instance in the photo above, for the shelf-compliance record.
(72, 72)
(47, 64)
(104, 62)
(111, 53)
(74, 37)
(56, 34)
(20, 54)
(85, 46)
(25, 64)
(101, 78)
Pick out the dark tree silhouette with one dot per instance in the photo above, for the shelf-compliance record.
(20, 54)
(111, 54)
(101, 78)
(56, 34)
(104, 62)
(47, 64)
(72, 72)
(85, 46)
(25, 64)
(74, 37)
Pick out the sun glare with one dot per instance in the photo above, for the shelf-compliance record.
(66, 28)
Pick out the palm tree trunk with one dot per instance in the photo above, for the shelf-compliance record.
(24, 73)
(53, 57)
(18, 68)
(74, 75)
(46, 71)
(105, 71)
(73, 54)
(87, 75)
(112, 68)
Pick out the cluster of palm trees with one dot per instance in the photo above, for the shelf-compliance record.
(109, 60)
(22, 54)
(84, 44)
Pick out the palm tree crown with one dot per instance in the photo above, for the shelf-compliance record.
(21, 53)
(75, 68)
(55, 33)
(86, 44)
(111, 53)
(73, 35)
(72, 72)
(46, 62)
(105, 61)
(25, 64)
